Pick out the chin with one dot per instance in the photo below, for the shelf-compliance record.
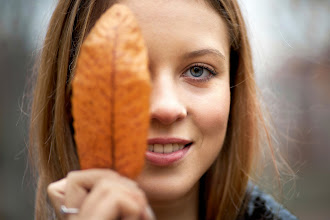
(160, 189)
(164, 193)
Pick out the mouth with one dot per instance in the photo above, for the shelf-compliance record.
(167, 148)
(167, 151)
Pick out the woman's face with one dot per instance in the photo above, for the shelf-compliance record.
(187, 102)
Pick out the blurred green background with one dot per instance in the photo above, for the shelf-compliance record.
(291, 49)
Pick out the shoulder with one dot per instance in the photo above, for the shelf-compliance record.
(261, 206)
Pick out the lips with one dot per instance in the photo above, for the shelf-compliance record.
(165, 151)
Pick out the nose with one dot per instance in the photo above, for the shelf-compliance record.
(166, 106)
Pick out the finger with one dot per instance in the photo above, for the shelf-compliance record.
(148, 214)
(112, 202)
(91, 176)
(56, 193)
(79, 183)
(75, 191)
(97, 200)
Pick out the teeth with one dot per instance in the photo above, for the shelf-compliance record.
(167, 148)
(158, 148)
(151, 147)
(176, 147)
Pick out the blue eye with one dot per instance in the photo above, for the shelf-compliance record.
(196, 71)
(199, 72)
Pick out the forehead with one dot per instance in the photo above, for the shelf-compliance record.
(174, 12)
(191, 21)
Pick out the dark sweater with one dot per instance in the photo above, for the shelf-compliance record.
(261, 206)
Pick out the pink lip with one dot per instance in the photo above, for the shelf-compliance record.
(167, 159)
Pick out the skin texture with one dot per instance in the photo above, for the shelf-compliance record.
(180, 106)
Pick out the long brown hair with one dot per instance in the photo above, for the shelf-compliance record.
(224, 184)
(52, 147)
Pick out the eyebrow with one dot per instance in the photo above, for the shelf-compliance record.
(198, 53)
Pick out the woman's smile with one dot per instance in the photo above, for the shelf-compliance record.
(165, 151)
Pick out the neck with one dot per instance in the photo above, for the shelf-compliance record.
(180, 209)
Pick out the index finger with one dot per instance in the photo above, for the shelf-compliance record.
(79, 183)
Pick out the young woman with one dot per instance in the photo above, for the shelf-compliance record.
(203, 93)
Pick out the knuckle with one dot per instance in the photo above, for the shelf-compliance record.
(140, 198)
(133, 184)
(141, 194)
(128, 180)
(104, 186)
(112, 174)
(132, 207)
(51, 188)
(72, 175)
(129, 183)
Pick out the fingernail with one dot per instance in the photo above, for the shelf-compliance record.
(150, 213)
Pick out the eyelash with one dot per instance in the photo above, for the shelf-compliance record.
(213, 72)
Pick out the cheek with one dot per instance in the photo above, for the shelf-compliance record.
(210, 113)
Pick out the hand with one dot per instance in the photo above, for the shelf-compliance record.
(99, 194)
